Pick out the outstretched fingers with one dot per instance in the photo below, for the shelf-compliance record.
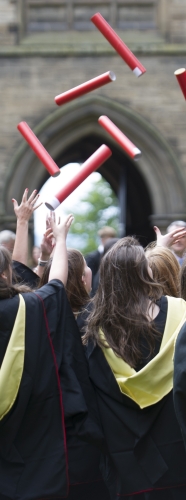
(69, 220)
(178, 234)
(25, 194)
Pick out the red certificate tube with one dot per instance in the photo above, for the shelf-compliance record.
(119, 137)
(38, 149)
(181, 77)
(118, 44)
(84, 88)
(90, 165)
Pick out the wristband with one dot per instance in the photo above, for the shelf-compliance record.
(42, 263)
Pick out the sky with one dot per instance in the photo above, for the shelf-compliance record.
(50, 188)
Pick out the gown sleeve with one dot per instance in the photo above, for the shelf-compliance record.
(179, 383)
(24, 274)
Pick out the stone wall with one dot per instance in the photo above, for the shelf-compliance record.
(28, 87)
(37, 68)
(8, 22)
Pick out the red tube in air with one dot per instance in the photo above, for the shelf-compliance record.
(181, 77)
(119, 137)
(118, 44)
(90, 165)
(86, 87)
(38, 149)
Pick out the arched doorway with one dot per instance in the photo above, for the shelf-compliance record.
(154, 189)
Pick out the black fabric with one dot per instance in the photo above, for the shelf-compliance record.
(24, 274)
(95, 283)
(146, 456)
(179, 389)
(159, 324)
(34, 461)
(33, 458)
(93, 260)
(85, 440)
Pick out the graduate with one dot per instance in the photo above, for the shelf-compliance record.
(51, 404)
(130, 340)
(33, 454)
(84, 445)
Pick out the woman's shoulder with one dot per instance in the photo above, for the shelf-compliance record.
(52, 288)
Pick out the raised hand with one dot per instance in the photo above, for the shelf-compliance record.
(167, 240)
(59, 230)
(27, 206)
(23, 213)
(46, 247)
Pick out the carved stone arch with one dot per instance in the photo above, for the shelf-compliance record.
(155, 188)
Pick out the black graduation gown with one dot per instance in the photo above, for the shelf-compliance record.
(146, 456)
(179, 388)
(33, 453)
(34, 461)
(85, 441)
(24, 274)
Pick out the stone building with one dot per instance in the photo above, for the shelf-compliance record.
(49, 46)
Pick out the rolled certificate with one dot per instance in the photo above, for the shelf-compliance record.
(119, 137)
(90, 165)
(118, 44)
(86, 87)
(38, 149)
(181, 77)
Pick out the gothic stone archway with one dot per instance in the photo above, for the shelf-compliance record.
(155, 189)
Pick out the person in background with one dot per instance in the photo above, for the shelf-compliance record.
(175, 238)
(179, 246)
(7, 239)
(93, 259)
(108, 244)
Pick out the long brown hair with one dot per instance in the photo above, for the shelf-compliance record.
(120, 306)
(165, 269)
(7, 289)
(75, 289)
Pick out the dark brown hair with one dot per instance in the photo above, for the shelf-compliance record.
(75, 289)
(165, 269)
(120, 306)
(7, 289)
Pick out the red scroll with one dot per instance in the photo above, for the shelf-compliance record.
(86, 87)
(118, 44)
(119, 137)
(90, 165)
(38, 149)
(181, 77)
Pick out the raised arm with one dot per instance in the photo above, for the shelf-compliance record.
(59, 266)
(23, 213)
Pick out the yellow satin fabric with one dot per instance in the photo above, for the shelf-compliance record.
(155, 380)
(12, 366)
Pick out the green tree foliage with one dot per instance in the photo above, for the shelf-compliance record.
(97, 209)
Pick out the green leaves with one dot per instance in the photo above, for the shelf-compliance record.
(97, 209)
